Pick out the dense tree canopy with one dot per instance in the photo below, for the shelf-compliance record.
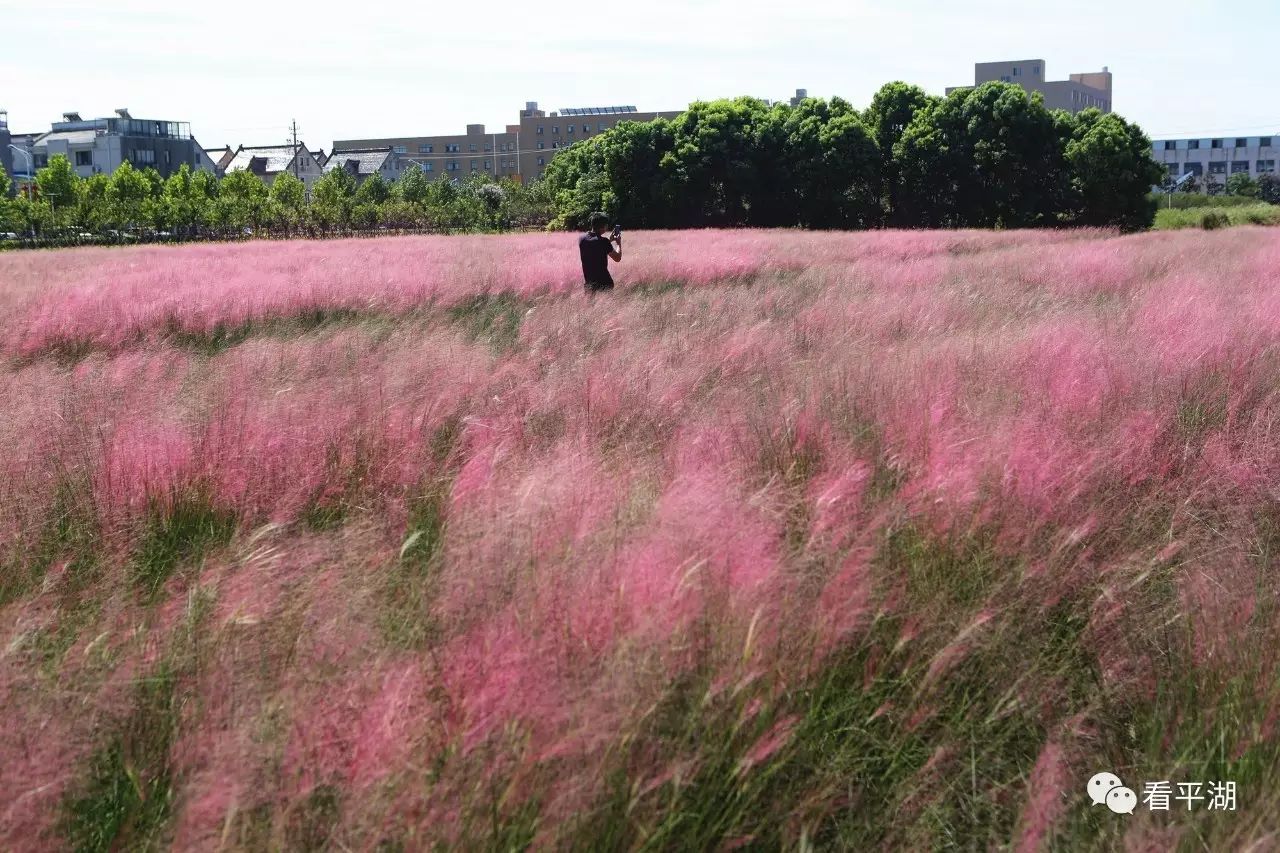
(990, 156)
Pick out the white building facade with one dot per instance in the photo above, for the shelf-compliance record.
(1216, 159)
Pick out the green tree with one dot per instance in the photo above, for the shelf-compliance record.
(1242, 185)
(288, 200)
(412, 186)
(1269, 189)
(714, 162)
(204, 198)
(849, 194)
(577, 181)
(397, 213)
(242, 201)
(890, 113)
(332, 198)
(127, 194)
(375, 190)
(1112, 172)
(986, 157)
(93, 207)
(6, 206)
(640, 191)
(179, 203)
(59, 188)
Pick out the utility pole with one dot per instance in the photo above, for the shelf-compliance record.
(293, 128)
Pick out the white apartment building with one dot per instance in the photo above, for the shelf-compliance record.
(1220, 158)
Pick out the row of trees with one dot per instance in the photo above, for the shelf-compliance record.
(193, 204)
(990, 156)
(1240, 185)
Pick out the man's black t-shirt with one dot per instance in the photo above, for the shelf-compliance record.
(594, 249)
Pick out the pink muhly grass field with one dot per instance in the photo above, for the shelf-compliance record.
(860, 540)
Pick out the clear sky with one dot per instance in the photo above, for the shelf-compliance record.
(239, 72)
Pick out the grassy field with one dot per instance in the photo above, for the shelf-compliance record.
(807, 541)
(1210, 218)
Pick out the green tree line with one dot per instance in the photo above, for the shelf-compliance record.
(138, 203)
(984, 157)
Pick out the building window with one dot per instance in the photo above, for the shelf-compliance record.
(555, 129)
(1218, 168)
(1193, 144)
(539, 130)
(488, 148)
(84, 158)
(1170, 145)
(604, 125)
(542, 161)
(451, 148)
(472, 146)
(1240, 166)
(401, 149)
(1215, 143)
(1193, 168)
(1265, 167)
(424, 149)
(570, 128)
(1241, 142)
(1173, 170)
(1017, 72)
(488, 164)
(1004, 78)
(452, 166)
(541, 146)
(428, 167)
(1035, 70)
(1264, 142)
(144, 155)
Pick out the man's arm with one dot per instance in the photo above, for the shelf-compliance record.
(616, 254)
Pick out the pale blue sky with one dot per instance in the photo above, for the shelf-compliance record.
(239, 72)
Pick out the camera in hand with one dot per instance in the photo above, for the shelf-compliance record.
(617, 232)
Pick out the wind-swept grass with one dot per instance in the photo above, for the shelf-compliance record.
(811, 541)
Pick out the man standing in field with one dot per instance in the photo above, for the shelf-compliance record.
(596, 250)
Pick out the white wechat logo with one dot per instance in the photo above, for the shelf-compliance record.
(1122, 800)
(1101, 784)
(1106, 788)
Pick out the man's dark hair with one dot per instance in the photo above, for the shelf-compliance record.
(596, 220)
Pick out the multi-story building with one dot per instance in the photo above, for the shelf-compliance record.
(363, 163)
(100, 145)
(267, 161)
(1215, 160)
(1080, 91)
(520, 152)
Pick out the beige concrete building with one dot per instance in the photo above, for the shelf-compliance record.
(519, 151)
(1079, 92)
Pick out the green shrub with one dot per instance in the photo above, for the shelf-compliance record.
(1217, 217)
(1211, 220)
